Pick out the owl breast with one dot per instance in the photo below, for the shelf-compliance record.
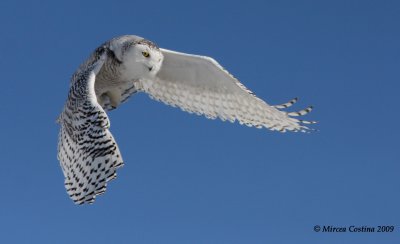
(111, 87)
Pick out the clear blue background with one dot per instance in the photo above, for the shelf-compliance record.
(191, 180)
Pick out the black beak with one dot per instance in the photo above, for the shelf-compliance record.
(150, 68)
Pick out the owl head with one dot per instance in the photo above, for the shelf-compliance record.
(139, 57)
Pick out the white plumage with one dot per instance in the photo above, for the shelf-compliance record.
(125, 65)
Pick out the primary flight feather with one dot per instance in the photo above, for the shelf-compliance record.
(87, 151)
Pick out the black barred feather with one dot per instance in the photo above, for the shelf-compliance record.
(286, 105)
(301, 112)
(88, 153)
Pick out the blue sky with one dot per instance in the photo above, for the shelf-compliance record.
(191, 180)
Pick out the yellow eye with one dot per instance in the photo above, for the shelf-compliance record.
(146, 54)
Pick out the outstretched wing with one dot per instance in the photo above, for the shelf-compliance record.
(87, 151)
(198, 84)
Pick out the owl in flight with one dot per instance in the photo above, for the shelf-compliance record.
(87, 151)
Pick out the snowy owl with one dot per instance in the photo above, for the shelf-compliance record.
(87, 151)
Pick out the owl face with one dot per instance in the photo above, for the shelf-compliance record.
(141, 60)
